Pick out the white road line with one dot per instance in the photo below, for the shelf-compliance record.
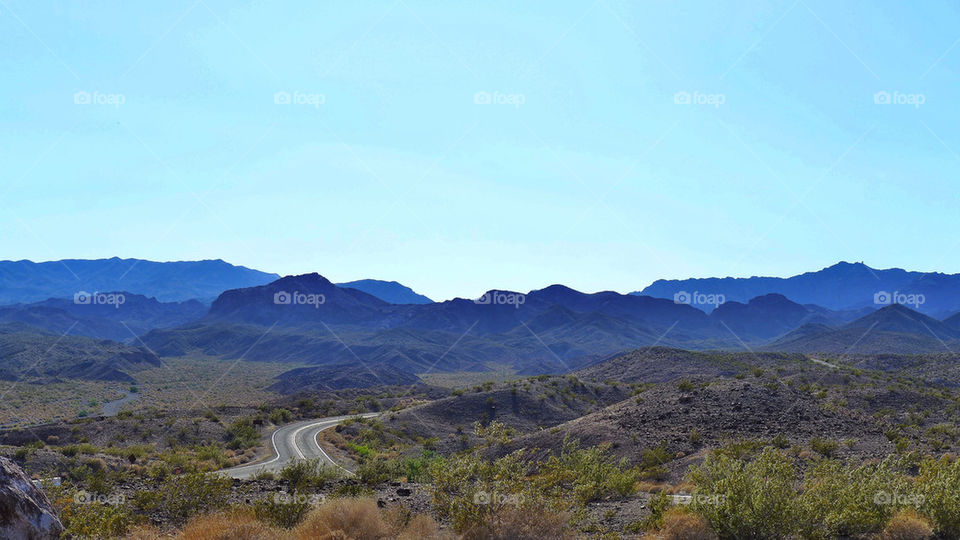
(291, 439)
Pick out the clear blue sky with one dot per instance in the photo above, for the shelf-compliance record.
(584, 170)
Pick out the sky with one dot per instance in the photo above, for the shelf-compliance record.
(458, 147)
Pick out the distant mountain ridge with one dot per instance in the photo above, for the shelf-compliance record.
(26, 281)
(127, 317)
(843, 286)
(388, 291)
(308, 319)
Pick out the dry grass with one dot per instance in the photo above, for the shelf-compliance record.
(228, 526)
(681, 524)
(907, 525)
(339, 519)
(344, 518)
(517, 524)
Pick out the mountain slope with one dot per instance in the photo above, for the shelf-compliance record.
(32, 355)
(27, 281)
(390, 292)
(893, 329)
(762, 317)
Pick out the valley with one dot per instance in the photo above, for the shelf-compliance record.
(355, 396)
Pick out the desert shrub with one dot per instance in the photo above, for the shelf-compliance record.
(378, 470)
(839, 501)
(243, 434)
(95, 519)
(187, 495)
(515, 523)
(824, 447)
(746, 500)
(308, 474)
(422, 527)
(418, 469)
(280, 416)
(907, 525)
(228, 526)
(343, 518)
(658, 505)
(283, 510)
(680, 523)
(585, 474)
(493, 433)
(467, 488)
(938, 490)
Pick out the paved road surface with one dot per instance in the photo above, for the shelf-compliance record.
(111, 408)
(293, 442)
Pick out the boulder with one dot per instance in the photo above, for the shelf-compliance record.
(25, 511)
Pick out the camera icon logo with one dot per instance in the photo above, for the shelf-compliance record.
(282, 298)
(881, 98)
(681, 297)
(82, 298)
(481, 497)
(882, 298)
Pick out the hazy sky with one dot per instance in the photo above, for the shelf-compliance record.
(586, 167)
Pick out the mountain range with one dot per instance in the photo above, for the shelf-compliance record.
(843, 286)
(345, 334)
(27, 281)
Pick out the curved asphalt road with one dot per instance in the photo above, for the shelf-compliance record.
(293, 442)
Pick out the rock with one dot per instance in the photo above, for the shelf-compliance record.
(25, 511)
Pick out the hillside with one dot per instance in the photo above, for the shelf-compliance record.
(893, 329)
(717, 411)
(31, 355)
(28, 281)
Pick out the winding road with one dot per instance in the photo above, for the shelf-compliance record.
(293, 442)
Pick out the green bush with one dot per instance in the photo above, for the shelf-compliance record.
(839, 501)
(308, 474)
(280, 416)
(755, 500)
(283, 510)
(824, 447)
(243, 434)
(586, 475)
(96, 520)
(938, 494)
(187, 495)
